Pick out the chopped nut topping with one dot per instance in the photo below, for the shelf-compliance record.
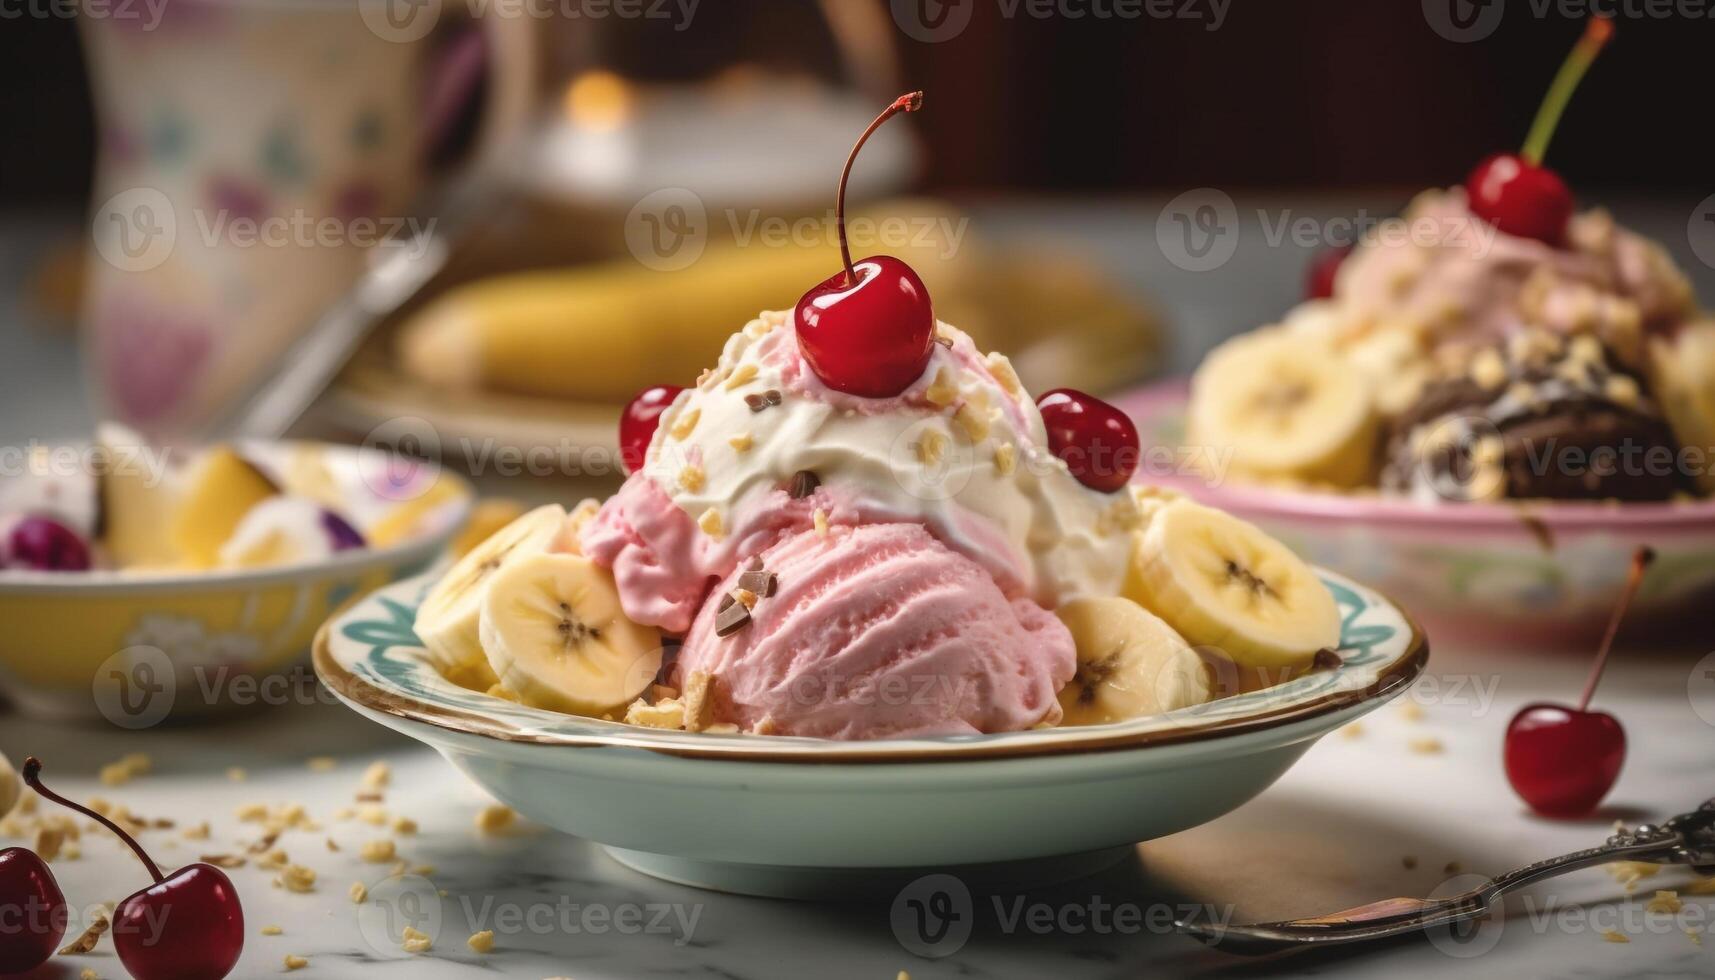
(494, 819)
(87, 941)
(1411, 711)
(741, 442)
(710, 522)
(1622, 390)
(746, 597)
(357, 892)
(1005, 457)
(297, 878)
(686, 422)
(1003, 372)
(404, 825)
(377, 776)
(941, 391)
(820, 519)
(931, 447)
(378, 851)
(198, 832)
(271, 931)
(699, 705)
(224, 860)
(741, 376)
(692, 478)
(1666, 902)
(1489, 369)
(295, 962)
(413, 941)
(481, 942)
(668, 713)
(1611, 936)
(1427, 746)
(974, 421)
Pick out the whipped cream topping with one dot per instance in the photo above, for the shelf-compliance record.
(963, 451)
(1456, 278)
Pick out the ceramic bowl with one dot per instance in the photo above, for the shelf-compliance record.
(141, 648)
(1532, 572)
(784, 816)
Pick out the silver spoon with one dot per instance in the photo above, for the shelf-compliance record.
(1688, 839)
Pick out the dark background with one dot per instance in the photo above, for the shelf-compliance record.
(1286, 94)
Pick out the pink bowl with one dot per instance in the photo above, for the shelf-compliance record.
(1538, 573)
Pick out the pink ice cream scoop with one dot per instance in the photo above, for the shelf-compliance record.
(879, 631)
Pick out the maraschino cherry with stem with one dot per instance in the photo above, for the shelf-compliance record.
(869, 328)
(1515, 192)
(637, 424)
(34, 911)
(188, 925)
(1562, 760)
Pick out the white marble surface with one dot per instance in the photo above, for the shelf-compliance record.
(1334, 832)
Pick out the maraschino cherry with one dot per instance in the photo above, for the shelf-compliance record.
(1515, 192)
(34, 910)
(1097, 441)
(869, 329)
(186, 926)
(1563, 760)
(1319, 283)
(638, 423)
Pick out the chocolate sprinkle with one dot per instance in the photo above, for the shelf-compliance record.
(731, 616)
(763, 584)
(772, 396)
(946, 342)
(804, 483)
(1325, 659)
(756, 402)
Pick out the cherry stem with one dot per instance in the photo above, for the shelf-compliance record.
(1641, 560)
(1596, 36)
(909, 102)
(32, 776)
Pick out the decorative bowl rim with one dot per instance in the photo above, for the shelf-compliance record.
(1151, 401)
(1397, 674)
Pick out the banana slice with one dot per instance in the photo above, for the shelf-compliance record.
(1130, 664)
(555, 635)
(1285, 406)
(1223, 583)
(1683, 376)
(447, 621)
(11, 788)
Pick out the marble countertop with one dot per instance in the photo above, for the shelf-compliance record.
(1406, 805)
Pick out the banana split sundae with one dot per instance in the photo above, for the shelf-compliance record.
(857, 525)
(1489, 344)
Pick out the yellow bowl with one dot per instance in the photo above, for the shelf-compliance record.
(142, 648)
